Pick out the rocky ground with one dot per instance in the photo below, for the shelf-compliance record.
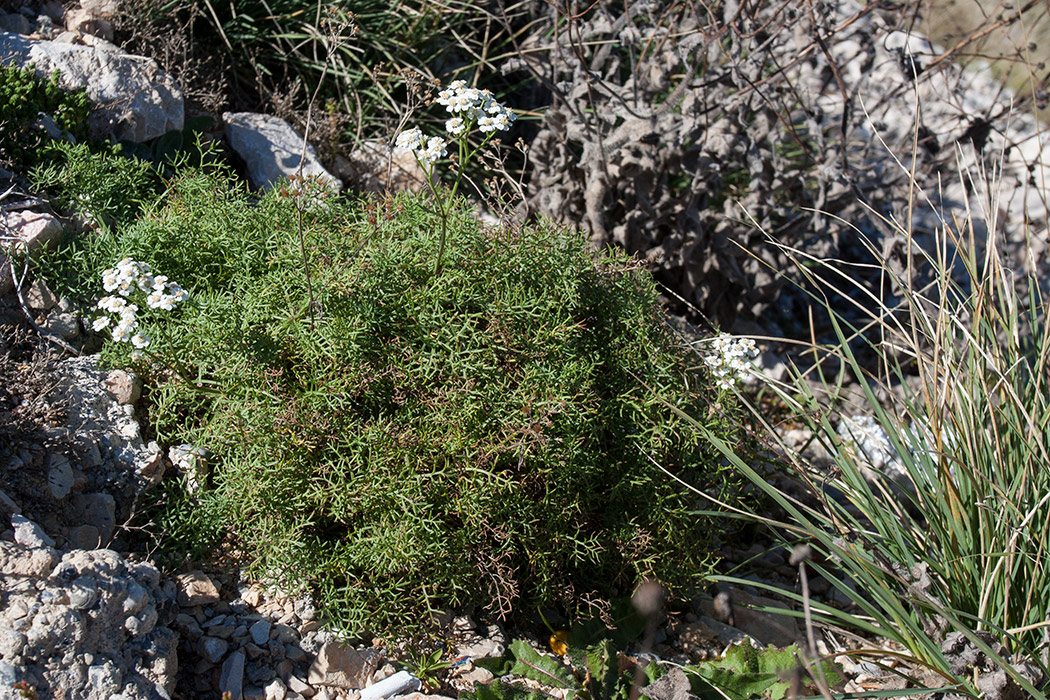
(84, 611)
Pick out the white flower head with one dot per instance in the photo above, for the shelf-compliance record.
(127, 324)
(730, 359)
(110, 280)
(100, 323)
(121, 334)
(435, 149)
(139, 340)
(112, 304)
(409, 141)
(455, 126)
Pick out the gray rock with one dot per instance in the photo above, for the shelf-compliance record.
(14, 23)
(84, 537)
(59, 476)
(7, 506)
(75, 630)
(29, 534)
(64, 325)
(105, 680)
(342, 666)
(98, 510)
(212, 649)
(273, 150)
(9, 675)
(260, 632)
(83, 592)
(231, 679)
(11, 643)
(134, 99)
(672, 686)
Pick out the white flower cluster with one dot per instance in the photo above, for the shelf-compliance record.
(730, 359)
(124, 279)
(427, 151)
(469, 105)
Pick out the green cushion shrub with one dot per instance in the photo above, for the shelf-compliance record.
(403, 441)
(23, 97)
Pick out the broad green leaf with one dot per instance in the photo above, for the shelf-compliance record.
(531, 664)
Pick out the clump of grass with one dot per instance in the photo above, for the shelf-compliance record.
(955, 541)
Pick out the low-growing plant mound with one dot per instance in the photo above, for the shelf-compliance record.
(484, 436)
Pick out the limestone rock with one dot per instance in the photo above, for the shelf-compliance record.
(195, 588)
(29, 534)
(30, 230)
(59, 476)
(125, 387)
(272, 150)
(68, 628)
(134, 100)
(39, 297)
(342, 666)
(99, 511)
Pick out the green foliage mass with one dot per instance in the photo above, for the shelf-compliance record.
(23, 97)
(406, 440)
(99, 180)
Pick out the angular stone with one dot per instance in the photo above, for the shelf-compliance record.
(29, 534)
(34, 229)
(99, 510)
(133, 98)
(272, 150)
(39, 297)
(212, 649)
(477, 674)
(59, 476)
(298, 685)
(14, 23)
(84, 537)
(231, 679)
(274, 690)
(479, 648)
(765, 627)
(124, 386)
(195, 588)
(64, 325)
(260, 632)
(342, 666)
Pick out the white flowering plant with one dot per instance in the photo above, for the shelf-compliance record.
(128, 282)
(730, 359)
(471, 109)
